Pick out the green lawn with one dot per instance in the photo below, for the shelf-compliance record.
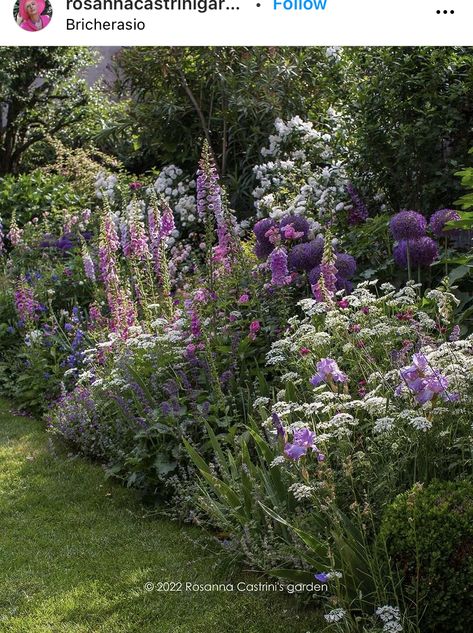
(76, 552)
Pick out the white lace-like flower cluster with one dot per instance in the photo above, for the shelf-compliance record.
(391, 618)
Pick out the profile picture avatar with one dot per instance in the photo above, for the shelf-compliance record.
(32, 15)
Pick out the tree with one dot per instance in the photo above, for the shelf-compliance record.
(411, 113)
(228, 95)
(41, 93)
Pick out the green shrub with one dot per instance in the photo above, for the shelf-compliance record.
(429, 537)
(31, 195)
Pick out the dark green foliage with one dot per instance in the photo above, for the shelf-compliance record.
(231, 96)
(429, 537)
(42, 93)
(412, 117)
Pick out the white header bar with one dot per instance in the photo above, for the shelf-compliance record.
(246, 22)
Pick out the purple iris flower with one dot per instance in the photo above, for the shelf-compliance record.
(304, 437)
(321, 576)
(328, 371)
(294, 452)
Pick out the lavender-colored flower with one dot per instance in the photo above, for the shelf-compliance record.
(306, 256)
(345, 265)
(89, 268)
(328, 371)
(65, 242)
(138, 240)
(263, 250)
(304, 437)
(407, 225)
(321, 577)
(326, 286)
(167, 224)
(358, 213)
(279, 272)
(298, 223)
(440, 218)
(294, 452)
(209, 202)
(424, 381)
(25, 303)
(302, 441)
(422, 252)
(455, 333)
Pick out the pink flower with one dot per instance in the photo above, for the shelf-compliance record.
(304, 351)
(244, 298)
(290, 233)
(255, 327)
(343, 304)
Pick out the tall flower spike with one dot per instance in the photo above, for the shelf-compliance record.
(326, 287)
(358, 213)
(138, 245)
(209, 202)
(279, 272)
(89, 268)
(2, 238)
(14, 234)
(160, 226)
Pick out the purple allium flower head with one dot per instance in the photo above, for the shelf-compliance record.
(263, 250)
(439, 219)
(422, 252)
(407, 225)
(297, 222)
(306, 256)
(328, 371)
(279, 272)
(358, 213)
(345, 265)
(260, 229)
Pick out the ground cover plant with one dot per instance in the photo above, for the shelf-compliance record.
(265, 373)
